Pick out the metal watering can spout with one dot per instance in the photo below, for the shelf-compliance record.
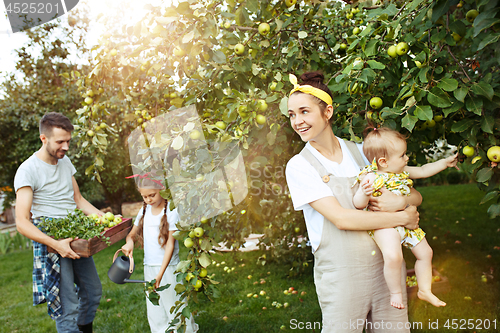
(121, 269)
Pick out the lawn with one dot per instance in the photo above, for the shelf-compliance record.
(458, 229)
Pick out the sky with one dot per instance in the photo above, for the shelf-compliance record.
(11, 41)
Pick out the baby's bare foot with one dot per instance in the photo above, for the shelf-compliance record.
(397, 300)
(428, 296)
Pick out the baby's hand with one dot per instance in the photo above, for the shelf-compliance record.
(366, 184)
(451, 161)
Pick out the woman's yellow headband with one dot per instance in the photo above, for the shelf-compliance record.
(322, 95)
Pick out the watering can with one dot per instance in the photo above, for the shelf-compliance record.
(121, 269)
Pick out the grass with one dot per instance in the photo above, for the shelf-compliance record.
(123, 308)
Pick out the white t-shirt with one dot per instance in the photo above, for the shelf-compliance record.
(306, 185)
(153, 252)
(52, 185)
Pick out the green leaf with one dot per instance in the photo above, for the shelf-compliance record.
(454, 108)
(484, 89)
(186, 312)
(487, 124)
(494, 211)
(484, 175)
(367, 75)
(474, 104)
(204, 260)
(489, 196)
(409, 122)
(219, 57)
(180, 288)
(458, 27)
(490, 38)
(375, 64)
(284, 106)
(371, 49)
(484, 24)
(182, 266)
(462, 125)
(448, 84)
(460, 93)
(440, 8)
(302, 34)
(422, 75)
(439, 36)
(423, 112)
(163, 287)
(438, 97)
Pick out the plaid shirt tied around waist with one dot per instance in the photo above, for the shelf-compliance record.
(46, 277)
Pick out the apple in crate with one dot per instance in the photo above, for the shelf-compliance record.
(117, 220)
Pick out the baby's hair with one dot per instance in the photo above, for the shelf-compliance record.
(378, 142)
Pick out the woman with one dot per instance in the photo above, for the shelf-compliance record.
(348, 268)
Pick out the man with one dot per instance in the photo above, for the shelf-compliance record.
(46, 187)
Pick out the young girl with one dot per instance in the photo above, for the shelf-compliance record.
(153, 228)
(387, 149)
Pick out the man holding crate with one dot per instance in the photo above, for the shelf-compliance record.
(46, 187)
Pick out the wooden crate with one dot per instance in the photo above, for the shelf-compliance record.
(88, 247)
(438, 287)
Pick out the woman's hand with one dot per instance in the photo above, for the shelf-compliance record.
(387, 202)
(411, 218)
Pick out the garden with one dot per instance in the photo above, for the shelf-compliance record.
(196, 87)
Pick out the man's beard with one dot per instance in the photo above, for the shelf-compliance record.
(54, 153)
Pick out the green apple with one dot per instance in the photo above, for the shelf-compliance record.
(109, 216)
(349, 16)
(243, 211)
(456, 37)
(356, 31)
(392, 52)
(197, 285)
(261, 120)
(88, 100)
(178, 52)
(189, 276)
(290, 3)
(94, 217)
(227, 24)
(204, 220)
(376, 102)
(468, 151)
(261, 105)
(438, 118)
(90, 93)
(471, 15)
(273, 86)
(430, 123)
(221, 125)
(195, 135)
(198, 232)
(297, 230)
(402, 48)
(188, 242)
(90, 133)
(418, 64)
(191, 234)
(173, 95)
(117, 220)
(113, 52)
(343, 46)
(494, 154)
(239, 49)
(203, 272)
(264, 29)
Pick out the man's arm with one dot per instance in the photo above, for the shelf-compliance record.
(82, 203)
(24, 199)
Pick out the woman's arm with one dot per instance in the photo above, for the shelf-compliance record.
(169, 250)
(352, 219)
(390, 202)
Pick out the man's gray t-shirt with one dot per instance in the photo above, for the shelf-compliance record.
(52, 186)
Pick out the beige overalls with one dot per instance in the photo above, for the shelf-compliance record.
(348, 269)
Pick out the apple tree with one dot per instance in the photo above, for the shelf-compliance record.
(426, 68)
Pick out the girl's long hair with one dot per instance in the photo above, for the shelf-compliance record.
(164, 227)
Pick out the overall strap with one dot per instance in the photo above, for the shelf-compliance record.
(315, 163)
(353, 148)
